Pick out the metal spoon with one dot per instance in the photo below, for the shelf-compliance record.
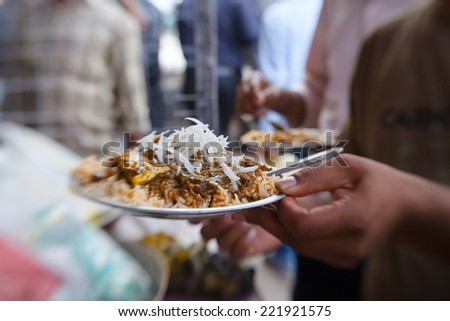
(312, 160)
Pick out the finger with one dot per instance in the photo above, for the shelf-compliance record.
(329, 220)
(197, 221)
(324, 177)
(257, 241)
(257, 85)
(255, 97)
(216, 227)
(240, 230)
(259, 81)
(243, 101)
(245, 246)
(269, 96)
(268, 220)
(239, 217)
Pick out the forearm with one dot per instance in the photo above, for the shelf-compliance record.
(427, 217)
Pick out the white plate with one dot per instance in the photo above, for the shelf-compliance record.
(178, 213)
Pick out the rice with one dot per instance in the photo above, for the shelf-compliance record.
(120, 190)
(178, 177)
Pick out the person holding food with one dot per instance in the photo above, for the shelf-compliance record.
(285, 35)
(372, 204)
(398, 117)
(322, 100)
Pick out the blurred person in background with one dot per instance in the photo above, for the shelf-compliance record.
(237, 27)
(73, 70)
(321, 100)
(263, 4)
(149, 18)
(286, 31)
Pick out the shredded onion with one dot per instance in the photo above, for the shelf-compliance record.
(186, 142)
(198, 167)
(187, 164)
(247, 169)
(229, 172)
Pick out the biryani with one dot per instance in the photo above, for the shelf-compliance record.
(190, 168)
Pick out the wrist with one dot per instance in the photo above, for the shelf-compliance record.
(291, 105)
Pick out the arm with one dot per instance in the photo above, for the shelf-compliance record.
(255, 93)
(302, 105)
(371, 203)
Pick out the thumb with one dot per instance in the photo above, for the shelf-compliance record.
(325, 177)
(269, 96)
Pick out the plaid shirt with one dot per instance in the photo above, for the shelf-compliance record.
(73, 71)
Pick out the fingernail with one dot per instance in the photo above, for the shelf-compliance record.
(286, 183)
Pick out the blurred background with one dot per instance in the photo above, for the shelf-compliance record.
(76, 74)
(43, 42)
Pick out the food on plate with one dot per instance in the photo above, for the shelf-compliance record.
(291, 135)
(190, 168)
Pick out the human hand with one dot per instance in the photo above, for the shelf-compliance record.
(254, 94)
(239, 238)
(366, 209)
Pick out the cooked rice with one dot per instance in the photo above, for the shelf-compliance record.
(186, 179)
(120, 190)
(291, 135)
